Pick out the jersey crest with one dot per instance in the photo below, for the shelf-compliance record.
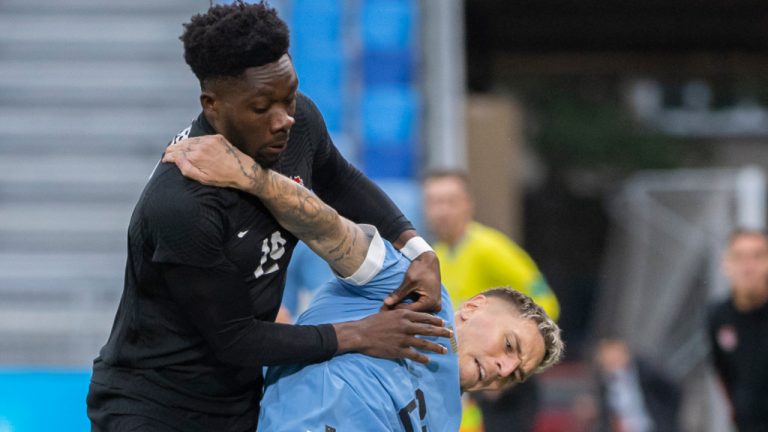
(727, 338)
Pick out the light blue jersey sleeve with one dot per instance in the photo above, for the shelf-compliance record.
(353, 392)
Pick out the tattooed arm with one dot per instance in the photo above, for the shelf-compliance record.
(337, 240)
(388, 334)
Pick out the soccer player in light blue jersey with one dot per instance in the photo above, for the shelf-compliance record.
(359, 393)
(500, 336)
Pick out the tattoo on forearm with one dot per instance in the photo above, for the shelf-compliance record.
(299, 210)
(296, 206)
(253, 174)
(345, 245)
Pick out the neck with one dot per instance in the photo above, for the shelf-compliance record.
(455, 238)
(209, 125)
(745, 302)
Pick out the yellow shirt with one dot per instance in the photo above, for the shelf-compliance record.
(486, 258)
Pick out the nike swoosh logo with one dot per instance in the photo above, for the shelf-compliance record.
(242, 234)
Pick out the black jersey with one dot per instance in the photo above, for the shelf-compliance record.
(740, 353)
(203, 284)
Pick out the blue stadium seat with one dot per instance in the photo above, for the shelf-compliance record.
(389, 160)
(390, 114)
(320, 73)
(389, 67)
(316, 27)
(389, 24)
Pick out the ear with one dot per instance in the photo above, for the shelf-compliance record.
(210, 105)
(469, 307)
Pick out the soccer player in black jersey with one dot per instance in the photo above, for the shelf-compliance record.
(206, 266)
(738, 330)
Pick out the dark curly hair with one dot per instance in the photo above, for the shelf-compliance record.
(228, 39)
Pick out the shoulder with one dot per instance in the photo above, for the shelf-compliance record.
(485, 234)
(496, 243)
(174, 202)
(719, 314)
(382, 261)
(307, 111)
(308, 135)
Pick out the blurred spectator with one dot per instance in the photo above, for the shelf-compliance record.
(738, 330)
(634, 397)
(474, 257)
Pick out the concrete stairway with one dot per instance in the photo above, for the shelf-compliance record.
(90, 93)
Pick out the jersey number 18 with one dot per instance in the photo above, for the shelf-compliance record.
(273, 247)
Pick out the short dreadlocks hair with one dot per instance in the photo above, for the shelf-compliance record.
(228, 39)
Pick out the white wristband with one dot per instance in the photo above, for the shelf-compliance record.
(415, 247)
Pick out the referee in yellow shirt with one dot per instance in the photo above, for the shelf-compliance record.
(473, 258)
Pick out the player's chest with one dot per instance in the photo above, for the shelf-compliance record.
(257, 245)
(741, 339)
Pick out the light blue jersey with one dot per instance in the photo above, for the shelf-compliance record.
(353, 392)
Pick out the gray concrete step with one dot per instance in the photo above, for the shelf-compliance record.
(91, 91)
(45, 123)
(96, 218)
(97, 84)
(77, 170)
(85, 7)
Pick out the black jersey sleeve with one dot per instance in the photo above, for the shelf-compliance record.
(188, 227)
(345, 188)
(217, 302)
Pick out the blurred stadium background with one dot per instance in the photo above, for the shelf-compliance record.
(618, 141)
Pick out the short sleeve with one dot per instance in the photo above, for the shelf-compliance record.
(381, 272)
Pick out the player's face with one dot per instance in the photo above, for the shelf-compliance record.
(497, 347)
(447, 207)
(255, 110)
(746, 263)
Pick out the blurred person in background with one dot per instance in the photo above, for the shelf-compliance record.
(474, 257)
(738, 330)
(634, 396)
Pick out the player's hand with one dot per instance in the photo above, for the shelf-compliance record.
(421, 283)
(392, 334)
(212, 160)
